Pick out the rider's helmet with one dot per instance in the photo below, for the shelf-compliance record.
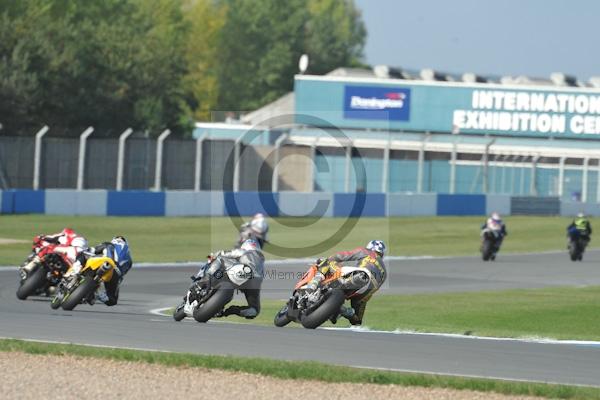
(259, 226)
(80, 242)
(496, 217)
(68, 232)
(377, 246)
(250, 245)
(580, 215)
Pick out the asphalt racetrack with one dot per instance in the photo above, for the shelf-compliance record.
(131, 324)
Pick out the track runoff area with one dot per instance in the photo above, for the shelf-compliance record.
(139, 321)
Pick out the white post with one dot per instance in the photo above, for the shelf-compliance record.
(159, 157)
(347, 172)
(421, 167)
(453, 168)
(598, 184)
(236, 161)
(275, 177)
(561, 176)
(533, 181)
(584, 180)
(386, 168)
(81, 160)
(198, 170)
(312, 165)
(37, 158)
(121, 157)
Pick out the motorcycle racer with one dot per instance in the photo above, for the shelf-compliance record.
(249, 254)
(118, 250)
(496, 226)
(580, 227)
(369, 257)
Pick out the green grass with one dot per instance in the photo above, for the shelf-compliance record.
(559, 313)
(305, 370)
(161, 239)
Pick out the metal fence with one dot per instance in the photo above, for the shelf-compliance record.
(185, 164)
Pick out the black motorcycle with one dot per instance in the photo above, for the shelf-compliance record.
(577, 245)
(213, 288)
(490, 244)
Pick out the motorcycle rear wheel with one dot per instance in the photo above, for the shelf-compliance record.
(33, 282)
(330, 306)
(213, 305)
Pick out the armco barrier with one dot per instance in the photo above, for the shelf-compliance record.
(572, 208)
(461, 204)
(297, 204)
(535, 205)
(497, 203)
(24, 201)
(411, 204)
(205, 203)
(359, 205)
(188, 203)
(140, 203)
(250, 203)
(74, 202)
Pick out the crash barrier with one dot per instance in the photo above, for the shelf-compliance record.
(182, 203)
(297, 204)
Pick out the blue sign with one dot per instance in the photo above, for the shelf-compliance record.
(372, 102)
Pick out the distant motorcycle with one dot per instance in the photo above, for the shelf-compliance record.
(42, 270)
(577, 244)
(490, 242)
(212, 289)
(313, 308)
(79, 286)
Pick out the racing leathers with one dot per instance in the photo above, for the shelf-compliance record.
(580, 227)
(251, 289)
(363, 258)
(110, 295)
(498, 229)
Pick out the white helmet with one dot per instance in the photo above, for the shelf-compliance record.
(377, 246)
(259, 226)
(496, 217)
(79, 241)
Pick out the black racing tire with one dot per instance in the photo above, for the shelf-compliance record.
(329, 307)
(213, 305)
(72, 299)
(573, 253)
(486, 250)
(36, 280)
(282, 318)
(179, 313)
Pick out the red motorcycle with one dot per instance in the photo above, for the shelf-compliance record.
(42, 270)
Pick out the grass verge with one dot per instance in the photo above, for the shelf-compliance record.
(168, 239)
(558, 313)
(305, 370)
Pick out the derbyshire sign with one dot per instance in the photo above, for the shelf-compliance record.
(449, 107)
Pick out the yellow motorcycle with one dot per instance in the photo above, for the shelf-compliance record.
(79, 285)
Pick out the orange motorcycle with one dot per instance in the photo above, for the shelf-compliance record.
(312, 308)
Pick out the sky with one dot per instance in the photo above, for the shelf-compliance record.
(487, 37)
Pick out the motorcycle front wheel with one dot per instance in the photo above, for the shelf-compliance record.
(282, 318)
(179, 312)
